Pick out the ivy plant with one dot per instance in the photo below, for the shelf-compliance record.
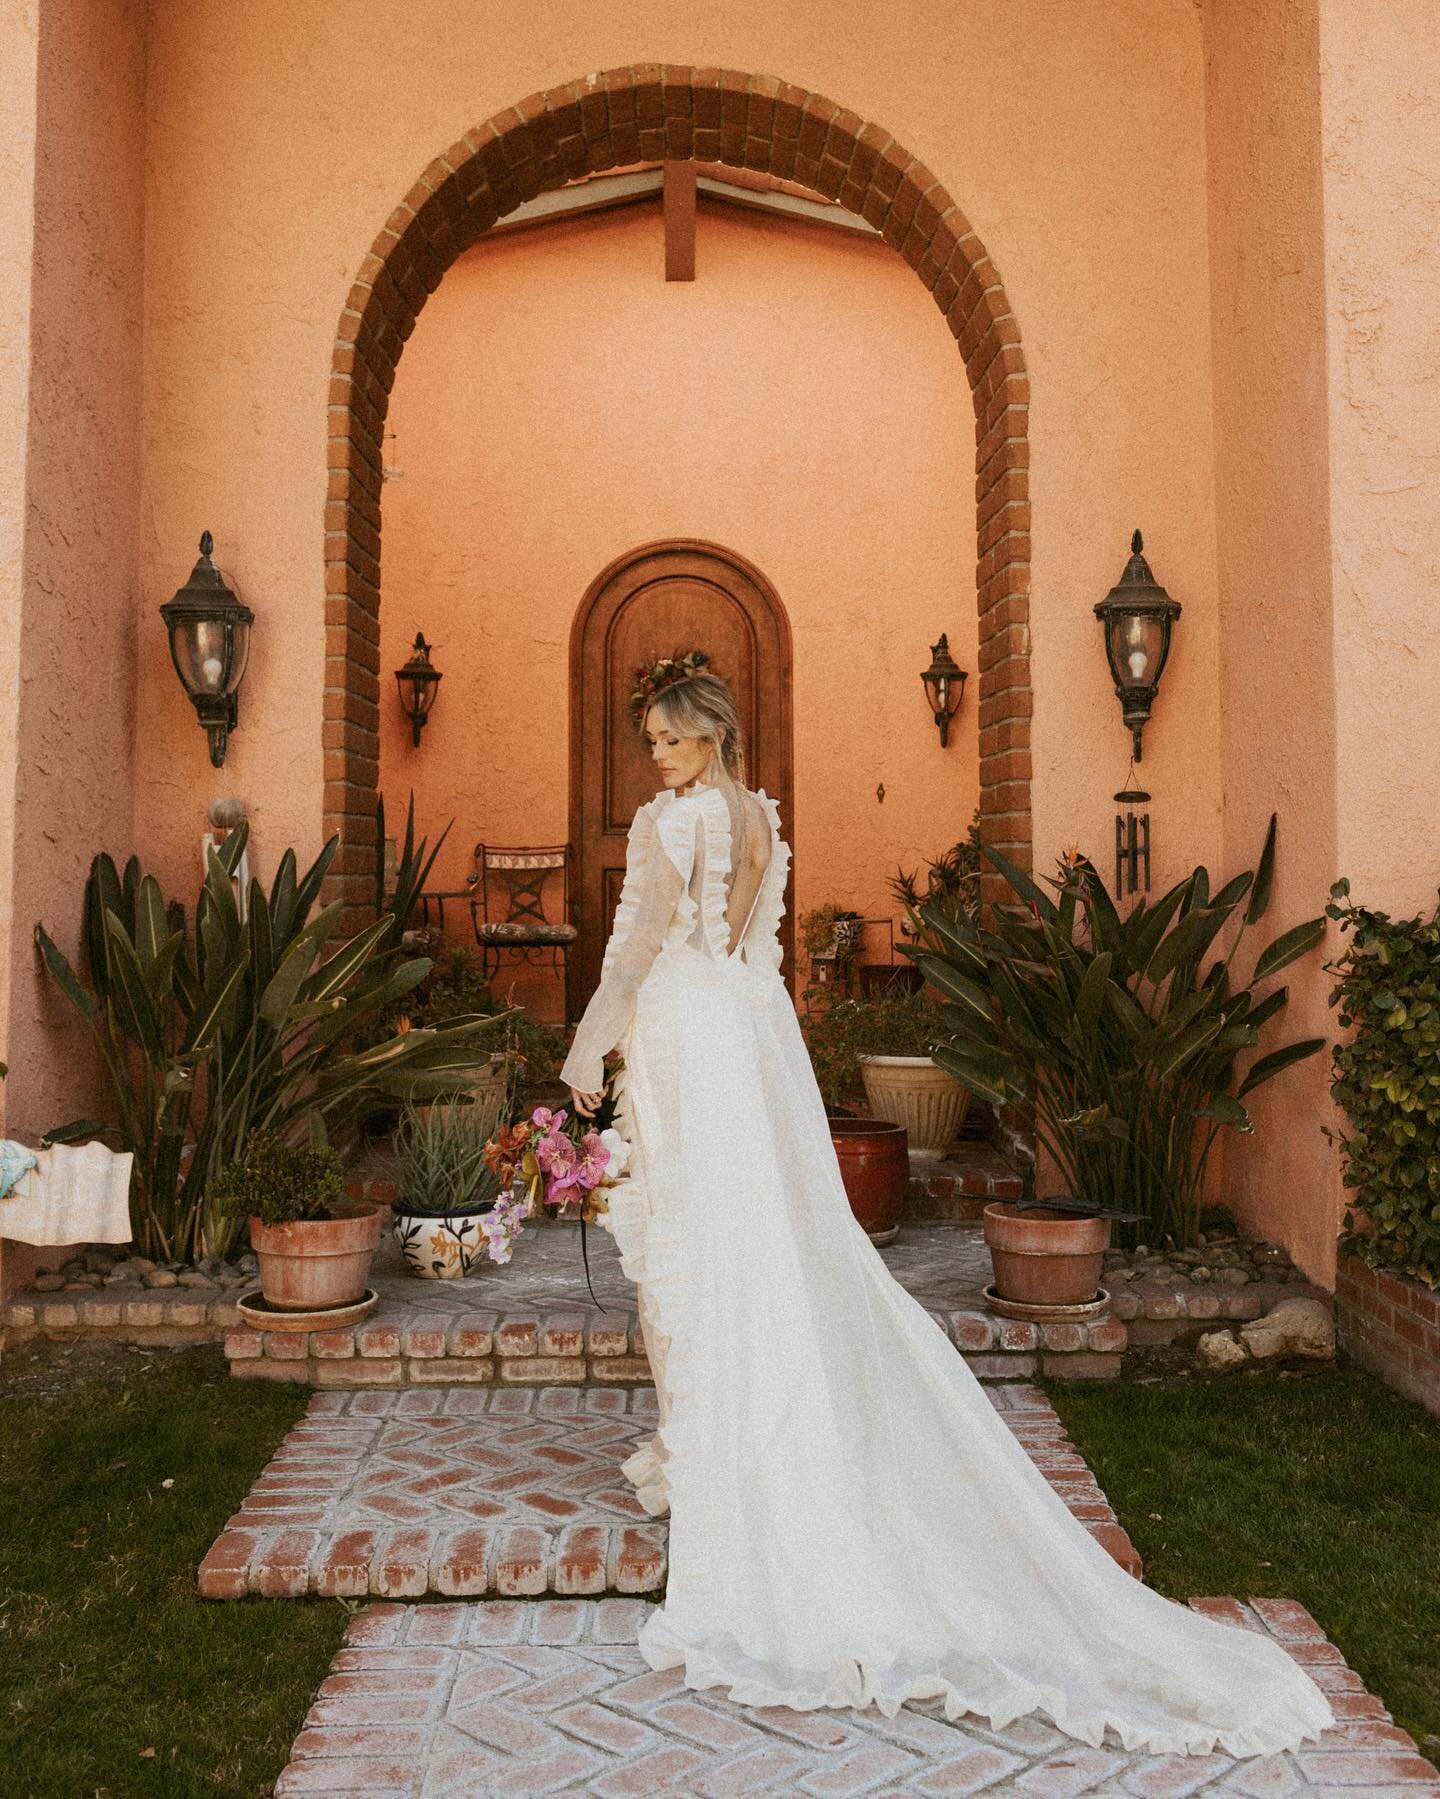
(1387, 1083)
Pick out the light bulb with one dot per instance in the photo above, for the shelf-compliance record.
(1138, 660)
(212, 668)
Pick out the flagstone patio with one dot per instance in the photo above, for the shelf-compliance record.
(553, 1696)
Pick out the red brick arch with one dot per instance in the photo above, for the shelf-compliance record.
(645, 113)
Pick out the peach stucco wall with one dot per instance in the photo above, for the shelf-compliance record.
(70, 401)
(1181, 202)
(1100, 237)
(1380, 119)
(524, 455)
(1276, 655)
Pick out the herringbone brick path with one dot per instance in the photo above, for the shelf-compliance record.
(514, 1490)
(552, 1696)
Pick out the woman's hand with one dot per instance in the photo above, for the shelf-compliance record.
(586, 1104)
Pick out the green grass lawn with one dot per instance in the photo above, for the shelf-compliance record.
(1322, 1487)
(115, 1678)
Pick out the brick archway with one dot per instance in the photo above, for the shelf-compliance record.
(646, 113)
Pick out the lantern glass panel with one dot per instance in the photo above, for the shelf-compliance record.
(1136, 640)
(201, 651)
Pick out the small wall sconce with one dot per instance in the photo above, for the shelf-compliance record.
(417, 682)
(1138, 616)
(1132, 841)
(944, 682)
(209, 630)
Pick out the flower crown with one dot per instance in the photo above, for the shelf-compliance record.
(653, 678)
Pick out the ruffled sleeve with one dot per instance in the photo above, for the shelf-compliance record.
(656, 875)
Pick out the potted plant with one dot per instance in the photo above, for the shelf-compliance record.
(830, 935)
(873, 1153)
(313, 1245)
(1047, 1254)
(903, 1082)
(444, 1186)
(1111, 1033)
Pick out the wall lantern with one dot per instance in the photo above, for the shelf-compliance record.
(209, 627)
(417, 682)
(1138, 616)
(944, 686)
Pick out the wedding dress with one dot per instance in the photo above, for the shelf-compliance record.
(850, 1519)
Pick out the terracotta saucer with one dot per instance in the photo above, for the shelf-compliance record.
(1014, 1308)
(254, 1310)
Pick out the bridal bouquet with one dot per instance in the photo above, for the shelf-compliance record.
(548, 1157)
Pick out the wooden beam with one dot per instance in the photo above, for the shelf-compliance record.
(679, 221)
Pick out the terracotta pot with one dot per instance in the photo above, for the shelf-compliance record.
(1044, 1257)
(874, 1165)
(317, 1262)
(916, 1092)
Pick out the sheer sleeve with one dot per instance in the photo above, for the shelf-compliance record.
(652, 890)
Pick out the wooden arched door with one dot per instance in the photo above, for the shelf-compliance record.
(681, 594)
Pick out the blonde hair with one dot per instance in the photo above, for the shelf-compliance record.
(702, 705)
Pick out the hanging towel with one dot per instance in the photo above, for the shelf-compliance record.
(74, 1193)
(15, 1159)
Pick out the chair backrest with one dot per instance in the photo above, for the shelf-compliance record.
(516, 874)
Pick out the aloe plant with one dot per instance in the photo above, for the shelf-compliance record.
(239, 1028)
(1104, 1030)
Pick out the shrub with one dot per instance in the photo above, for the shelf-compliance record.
(1387, 1082)
(1106, 1031)
(909, 1025)
(279, 1183)
(440, 1161)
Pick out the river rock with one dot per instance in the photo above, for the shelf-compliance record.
(48, 1283)
(1294, 1327)
(1233, 1277)
(160, 1277)
(1219, 1350)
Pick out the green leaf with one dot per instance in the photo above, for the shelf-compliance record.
(61, 970)
(1020, 881)
(1225, 1109)
(1264, 877)
(955, 985)
(1269, 1066)
(1289, 947)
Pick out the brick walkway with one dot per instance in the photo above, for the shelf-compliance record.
(552, 1696)
(512, 1490)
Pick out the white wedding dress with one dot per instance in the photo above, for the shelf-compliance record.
(850, 1519)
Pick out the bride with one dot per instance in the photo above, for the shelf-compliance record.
(851, 1520)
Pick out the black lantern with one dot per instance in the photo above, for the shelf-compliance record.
(1132, 841)
(209, 627)
(1138, 616)
(944, 686)
(417, 682)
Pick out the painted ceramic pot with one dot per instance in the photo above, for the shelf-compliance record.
(441, 1246)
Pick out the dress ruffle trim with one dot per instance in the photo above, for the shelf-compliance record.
(642, 828)
(770, 906)
(677, 834)
(1282, 1725)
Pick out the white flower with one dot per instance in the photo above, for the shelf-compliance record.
(619, 1152)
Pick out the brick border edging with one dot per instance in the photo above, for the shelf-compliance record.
(1390, 1324)
(651, 112)
(577, 1349)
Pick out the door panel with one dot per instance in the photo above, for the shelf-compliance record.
(681, 595)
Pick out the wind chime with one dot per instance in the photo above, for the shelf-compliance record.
(1132, 842)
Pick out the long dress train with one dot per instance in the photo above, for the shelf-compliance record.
(850, 1520)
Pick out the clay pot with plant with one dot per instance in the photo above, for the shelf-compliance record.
(314, 1245)
(445, 1186)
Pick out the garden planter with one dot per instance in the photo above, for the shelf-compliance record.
(874, 1165)
(1044, 1257)
(441, 1246)
(314, 1263)
(916, 1092)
